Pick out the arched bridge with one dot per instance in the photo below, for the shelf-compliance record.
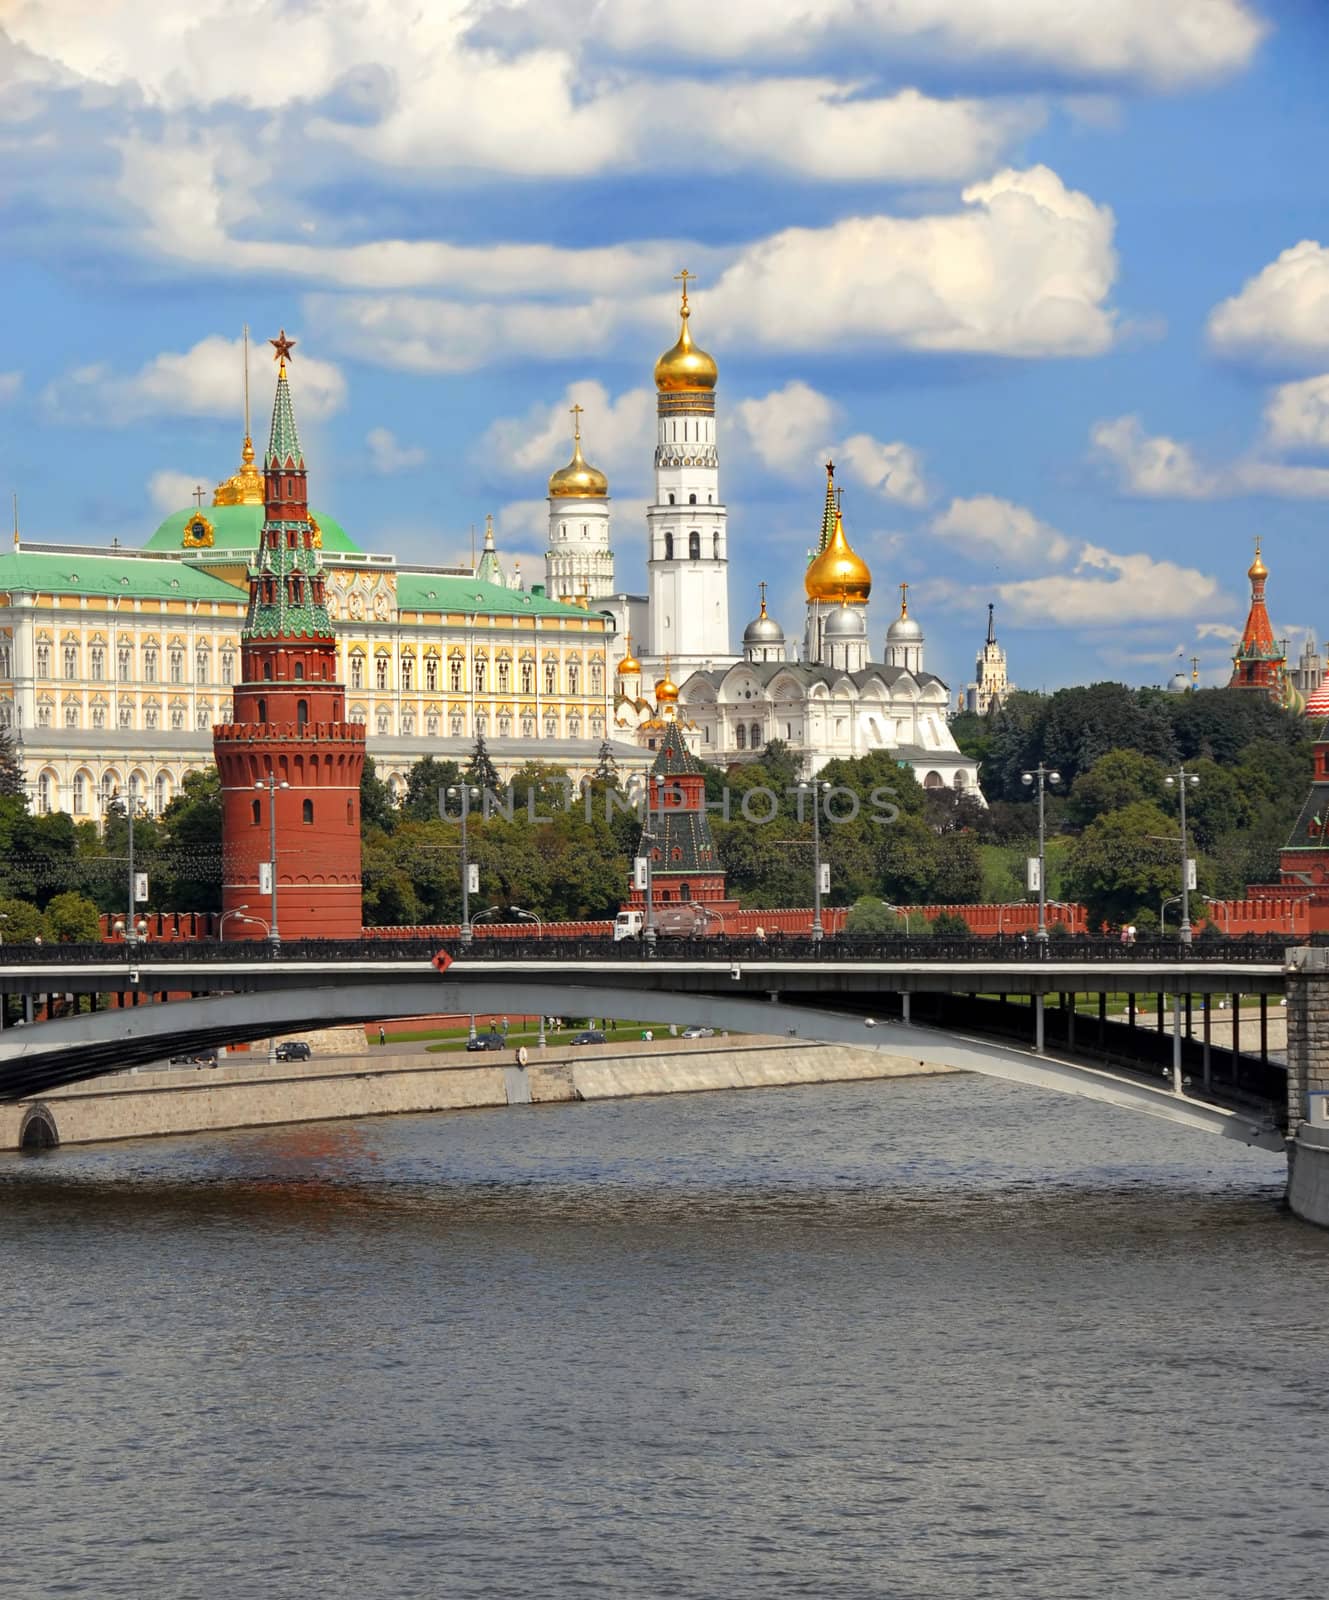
(859, 993)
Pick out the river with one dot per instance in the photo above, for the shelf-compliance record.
(928, 1340)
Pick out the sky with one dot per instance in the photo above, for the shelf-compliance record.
(1045, 277)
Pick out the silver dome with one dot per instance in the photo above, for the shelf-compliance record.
(763, 630)
(904, 630)
(846, 623)
(1178, 683)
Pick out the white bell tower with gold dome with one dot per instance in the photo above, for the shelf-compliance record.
(688, 561)
(579, 560)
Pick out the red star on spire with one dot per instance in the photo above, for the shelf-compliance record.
(283, 346)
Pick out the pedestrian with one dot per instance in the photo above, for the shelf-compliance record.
(382, 1034)
(504, 1026)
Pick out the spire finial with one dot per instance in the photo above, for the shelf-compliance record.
(904, 599)
(576, 423)
(489, 530)
(683, 277)
(283, 346)
(992, 630)
(1195, 669)
(762, 587)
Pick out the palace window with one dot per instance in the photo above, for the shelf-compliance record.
(669, 546)
(150, 665)
(692, 499)
(481, 725)
(6, 714)
(99, 717)
(151, 717)
(408, 722)
(177, 666)
(431, 674)
(551, 727)
(228, 667)
(97, 663)
(741, 737)
(574, 727)
(203, 721)
(504, 677)
(43, 716)
(44, 793)
(574, 678)
(381, 722)
(80, 794)
(125, 717)
(200, 666)
(481, 673)
(528, 727)
(357, 672)
(408, 673)
(124, 663)
(380, 672)
(6, 661)
(597, 727)
(159, 793)
(454, 675)
(754, 734)
(71, 715)
(597, 678)
(455, 725)
(431, 726)
(301, 715)
(504, 725)
(528, 677)
(178, 719)
(71, 661)
(43, 661)
(551, 677)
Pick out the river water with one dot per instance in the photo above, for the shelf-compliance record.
(915, 1339)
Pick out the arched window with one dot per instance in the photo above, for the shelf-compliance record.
(97, 663)
(299, 670)
(99, 716)
(454, 674)
(45, 793)
(694, 545)
(71, 661)
(408, 673)
(177, 718)
(301, 715)
(6, 661)
(307, 811)
(574, 727)
(574, 678)
(504, 676)
(262, 710)
(528, 727)
(431, 674)
(382, 722)
(551, 727)
(150, 664)
(685, 891)
(203, 721)
(43, 716)
(671, 497)
(504, 725)
(151, 717)
(43, 661)
(754, 736)
(431, 726)
(256, 811)
(741, 736)
(177, 666)
(551, 677)
(715, 546)
(80, 793)
(124, 663)
(669, 546)
(597, 677)
(527, 677)
(71, 713)
(267, 672)
(357, 671)
(160, 797)
(350, 814)
(455, 725)
(481, 675)
(380, 672)
(200, 666)
(692, 499)
(408, 722)
(125, 717)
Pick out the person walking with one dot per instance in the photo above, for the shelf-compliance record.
(382, 1034)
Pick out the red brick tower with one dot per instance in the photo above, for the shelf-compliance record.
(288, 728)
(1260, 661)
(685, 862)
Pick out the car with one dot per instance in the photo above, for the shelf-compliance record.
(589, 1036)
(487, 1041)
(200, 1058)
(293, 1050)
(696, 1031)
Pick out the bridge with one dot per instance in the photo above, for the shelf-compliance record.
(939, 1001)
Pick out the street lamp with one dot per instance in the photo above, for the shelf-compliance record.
(271, 785)
(131, 805)
(816, 790)
(1042, 776)
(1182, 780)
(903, 911)
(1169, 900)
(648, 882)
(465, 794)
(239, 913)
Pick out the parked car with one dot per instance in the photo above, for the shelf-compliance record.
(589, 1036)
(199, 1058)
(293, 1050)
(696, 1031)
(487, 1041)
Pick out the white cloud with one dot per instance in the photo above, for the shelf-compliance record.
(786, 427)
(616, 435)
(1024, 269)
(1169, 46)
(1155, 467)
(1106, 588)
(1218, 630)
(986, 526)
(1296, 415)
(1281, 315)
(206, 381)
(387, 455)
(10, 384)
(894, 471)
(169, 490)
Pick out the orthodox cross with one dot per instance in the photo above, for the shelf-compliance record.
(904, 599)
(683, 277)
(762, 587)
(576, 422)
(198, 495)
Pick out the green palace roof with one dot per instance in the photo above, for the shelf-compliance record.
(430, 591)
(66, 572)
(238, 527)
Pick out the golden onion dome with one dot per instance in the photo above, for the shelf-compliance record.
(666, 690)
(578, 480)
(686, 368)
(838, 573)
(1257, 568)
(629, 665)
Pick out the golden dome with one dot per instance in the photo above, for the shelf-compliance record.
(629, 664)
(838, 573)
(666, 690)
(1257, 568)
(685, 368)
(578, 480)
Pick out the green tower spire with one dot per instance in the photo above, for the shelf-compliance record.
(828, 515)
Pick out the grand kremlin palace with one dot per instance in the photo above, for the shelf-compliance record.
(115, 663)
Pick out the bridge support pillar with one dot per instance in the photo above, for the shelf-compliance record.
(1038, 1024)
(904, 1006)
(1308, 1075)
(27, 1008)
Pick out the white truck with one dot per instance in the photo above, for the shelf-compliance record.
(683, 919)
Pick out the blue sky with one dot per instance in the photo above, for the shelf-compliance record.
(1047, 279)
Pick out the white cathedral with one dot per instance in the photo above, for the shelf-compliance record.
(825, 699)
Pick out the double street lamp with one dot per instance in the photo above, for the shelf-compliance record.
(1182, 780)
(820, 882)
(465, 793)
(271, 784)
(1042, 776)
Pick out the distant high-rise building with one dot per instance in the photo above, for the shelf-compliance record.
(991, 685)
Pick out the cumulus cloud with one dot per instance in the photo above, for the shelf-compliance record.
(616, 435)
(987, 527)
(894, 470)
(169, 490)
(1183, 42)
(785, 429)
(206, 381)
(10, 384)
(1155, 467)
(1104, 587)
(387, 455)
(1281, 315)
(1024, 269)
(1296, 415)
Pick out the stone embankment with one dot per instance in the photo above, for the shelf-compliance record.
(247, 1092)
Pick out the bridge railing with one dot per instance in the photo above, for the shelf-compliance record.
(1252, 949)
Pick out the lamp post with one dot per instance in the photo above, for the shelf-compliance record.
(271, 784)
(465, 793)
(1042, 776)
(1182, 780)
(240, 915)
(1168, 900)
(648, 839)
(816, 790)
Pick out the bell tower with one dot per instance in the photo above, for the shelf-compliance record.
(290, 762)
